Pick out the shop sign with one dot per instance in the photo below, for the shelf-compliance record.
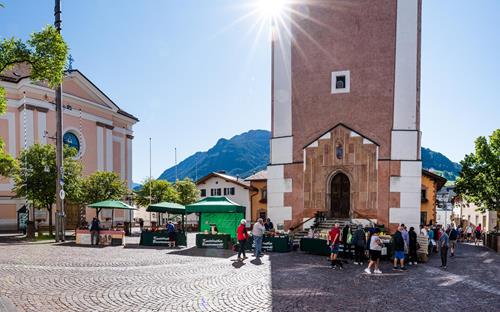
(160, 240)
(217, 243)
(267, 246)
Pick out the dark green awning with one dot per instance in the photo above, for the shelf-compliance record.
(215, 204)
(166, 207)
(111, 204)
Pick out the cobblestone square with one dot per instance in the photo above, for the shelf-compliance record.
(49, 277)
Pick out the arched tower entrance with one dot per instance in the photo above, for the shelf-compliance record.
(340, 192)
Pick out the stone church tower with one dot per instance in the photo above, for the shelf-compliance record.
(345, 112)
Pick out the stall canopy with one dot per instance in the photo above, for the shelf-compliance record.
(216, 204)
(110, 204)
(167, 207)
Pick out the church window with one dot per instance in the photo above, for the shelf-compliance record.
(339, 151)
(341, 82)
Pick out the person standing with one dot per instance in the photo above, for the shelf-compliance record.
(346, 239)
(406, 238)
(171, 231)
(399, 249)
(258, 235)
(477, 234)
(453, 241)
(412, 246)
(334, 242)
(375, 253)
(359, 242)
(468, 232)
(269, 225)
(141, 224)
(242, 237)
(95, 227)
(444, 243)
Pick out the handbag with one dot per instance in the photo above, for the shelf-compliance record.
(383, 252)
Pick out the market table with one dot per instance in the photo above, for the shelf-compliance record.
(272, 243)
(160, 238)
(220, 241)
(315, 246)
(106, 237)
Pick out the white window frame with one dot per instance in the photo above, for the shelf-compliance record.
(347, 87)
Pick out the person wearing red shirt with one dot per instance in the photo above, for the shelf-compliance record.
(334, 242)
(242, 236)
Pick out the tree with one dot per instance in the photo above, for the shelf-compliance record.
(161, 191)
(188, 192)
(37, 176)
(479, 181)
(46, 53)
(101, 186)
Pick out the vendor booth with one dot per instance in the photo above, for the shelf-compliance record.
(108, 234)
(272, 242)
(160, 237)
(219, 219)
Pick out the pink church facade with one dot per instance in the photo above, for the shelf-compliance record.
(92, 122)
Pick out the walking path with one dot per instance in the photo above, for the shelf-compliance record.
(50, 277)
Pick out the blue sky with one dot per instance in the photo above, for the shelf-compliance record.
(192, 75)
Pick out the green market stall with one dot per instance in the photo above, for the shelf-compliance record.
(160, 237)
(219, 212)
(109, 236)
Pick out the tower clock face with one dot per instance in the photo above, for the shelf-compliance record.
(71, 140)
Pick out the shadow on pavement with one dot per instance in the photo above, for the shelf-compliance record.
(201, 252)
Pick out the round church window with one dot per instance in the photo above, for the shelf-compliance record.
(71, 140)
(339, 151)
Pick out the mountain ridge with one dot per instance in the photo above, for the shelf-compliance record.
(247, 153)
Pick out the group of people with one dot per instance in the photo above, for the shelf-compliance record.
(407, 243)
(258, 230)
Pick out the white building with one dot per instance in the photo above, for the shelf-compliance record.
(467, 213)
(221, 184)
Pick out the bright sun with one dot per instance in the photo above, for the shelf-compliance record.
(271, 8)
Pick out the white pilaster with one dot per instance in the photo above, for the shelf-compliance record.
(129, 162)
(277, 186)
(109, 150)
(42, 127)
(282, 79)
(121, 141)
(100, 149)
(405, 84)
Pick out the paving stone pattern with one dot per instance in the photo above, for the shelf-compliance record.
(49, 277)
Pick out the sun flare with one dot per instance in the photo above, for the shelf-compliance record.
(271, 9)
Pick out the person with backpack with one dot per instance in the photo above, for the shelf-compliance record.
(444, 243)
(359, 243)
(346, 242)
(412, 246)
(453, 241)
(242, 237)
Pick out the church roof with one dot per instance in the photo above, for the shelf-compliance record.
(21, 71)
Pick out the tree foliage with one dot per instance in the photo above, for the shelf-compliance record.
(37, 176)
(46, 53)
(479, 181)
(101, 186)
(161, 191)
(188, 192)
